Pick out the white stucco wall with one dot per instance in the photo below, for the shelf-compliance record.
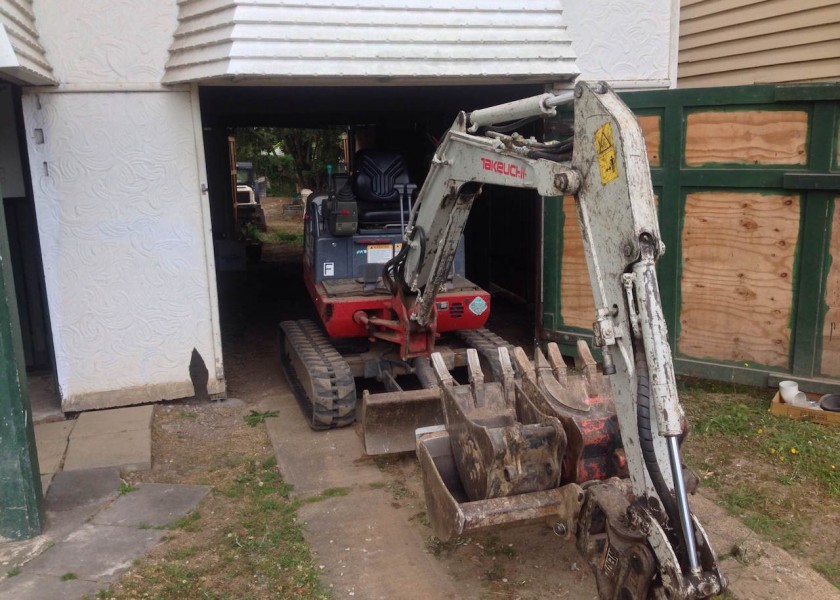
(630, 43)
(123, 223)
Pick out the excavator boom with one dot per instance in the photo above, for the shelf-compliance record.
(596, 453)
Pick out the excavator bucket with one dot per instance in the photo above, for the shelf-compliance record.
(390, 419)
(451, 513)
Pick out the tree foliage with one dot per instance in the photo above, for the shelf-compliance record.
(305, 154)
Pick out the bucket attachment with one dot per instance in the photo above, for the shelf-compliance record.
(452, 514)
(389, 419)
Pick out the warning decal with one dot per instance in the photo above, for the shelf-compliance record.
(605, 147)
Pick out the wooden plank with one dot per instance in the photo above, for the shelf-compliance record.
(577, 308)
(830, 363)
(762, 43)
(755, 137)
(777, 56)
(797, 21)
(651, 128)
(788, 73)
(748, 14)
(737, 279)
(694, 10)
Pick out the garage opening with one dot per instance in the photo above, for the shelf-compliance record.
(502, 234)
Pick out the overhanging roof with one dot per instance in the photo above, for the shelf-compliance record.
(22, 58)
(386, 41)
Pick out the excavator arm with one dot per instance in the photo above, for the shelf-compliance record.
(518, 447)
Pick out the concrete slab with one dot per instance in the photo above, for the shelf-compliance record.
(117, 420)
(51, 441)
(46, 481)
(153, 504)
(316, 460)
(126, 450)
(29, 586)
(80, 488)
(95, 552)
(369, 551)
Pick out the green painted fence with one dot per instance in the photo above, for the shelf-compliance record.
(747, 183)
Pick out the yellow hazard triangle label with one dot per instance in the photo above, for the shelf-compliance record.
(605, 148)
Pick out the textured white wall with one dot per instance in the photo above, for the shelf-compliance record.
(122, 235)
(107, 42)
(123, 223)
(630, 42)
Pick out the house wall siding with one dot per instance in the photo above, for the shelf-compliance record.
(341, 39)
(122, 220)
(742, 42)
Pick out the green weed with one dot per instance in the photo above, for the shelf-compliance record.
(126, 488)
(13, 572)
(190, 522)
(254, 417)
(68, 577)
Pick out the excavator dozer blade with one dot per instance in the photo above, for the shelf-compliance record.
(451, 514)
(389, 419)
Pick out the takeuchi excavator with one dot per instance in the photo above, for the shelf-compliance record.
(594, 452)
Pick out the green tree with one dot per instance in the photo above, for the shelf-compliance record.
(306, 154)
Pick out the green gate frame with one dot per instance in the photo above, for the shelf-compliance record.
(818, 183)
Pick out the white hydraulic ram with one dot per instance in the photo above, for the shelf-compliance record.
(609, 175)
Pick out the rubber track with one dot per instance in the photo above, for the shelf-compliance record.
(487, 343)
(330, 400)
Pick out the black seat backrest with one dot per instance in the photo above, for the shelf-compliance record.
(377, 172)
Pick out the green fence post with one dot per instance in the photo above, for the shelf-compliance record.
(21, 503)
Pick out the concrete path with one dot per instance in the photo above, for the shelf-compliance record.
(366, 547)
(93, 533)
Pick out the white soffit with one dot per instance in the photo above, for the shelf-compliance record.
(386, 41)
(22, 58)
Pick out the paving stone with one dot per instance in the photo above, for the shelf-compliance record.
(370, 551)
(126, 450)
(46, 481)
(152, 504)
(29, 586)
(95, 552)
(116, 420)
(71, 489)
(51, 441)
(315, 460)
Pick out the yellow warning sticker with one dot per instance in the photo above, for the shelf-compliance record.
(605, 147)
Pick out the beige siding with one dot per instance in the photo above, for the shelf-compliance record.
(740, 42)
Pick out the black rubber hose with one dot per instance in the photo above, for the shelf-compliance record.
(646, 437)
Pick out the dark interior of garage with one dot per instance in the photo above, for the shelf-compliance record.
(502, 234)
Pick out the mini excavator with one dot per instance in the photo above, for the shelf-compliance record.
(596, 452)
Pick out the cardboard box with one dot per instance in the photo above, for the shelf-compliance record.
(780, 408)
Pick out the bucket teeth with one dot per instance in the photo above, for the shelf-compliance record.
(558, 365)
(441, 372)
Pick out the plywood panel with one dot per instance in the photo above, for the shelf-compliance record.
(651, 128)
(757, 137)
(830, 364)
(576, 305)
(737, 279)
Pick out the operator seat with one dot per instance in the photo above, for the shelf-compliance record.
(377, 174)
